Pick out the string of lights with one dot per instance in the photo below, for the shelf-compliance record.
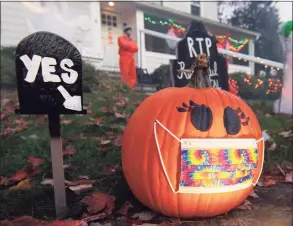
(179, 30)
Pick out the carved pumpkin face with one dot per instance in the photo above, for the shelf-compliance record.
(188, 113)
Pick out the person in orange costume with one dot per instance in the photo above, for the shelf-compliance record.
(127, 49)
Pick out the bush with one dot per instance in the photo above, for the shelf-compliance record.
(8, 77)
(92, 78)
(254, 87)
(161, 76)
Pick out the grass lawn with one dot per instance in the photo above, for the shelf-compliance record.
(92, 149)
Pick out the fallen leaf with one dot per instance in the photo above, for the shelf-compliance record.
(98, 121)
(289, 177)
(35, 161)
(95, 217)
(4, 116)
(97, 138)
(272, 146)
(26, 221)
(109, 170)
(48, 182)
(79, 182)
(84, 177)
(118, 115)
(96, 202)
(104, 149)
(66, 122)
(4, 181)
(286, 134)
(288, 166)
(22, 185)
(69, 150)
(281, 170)
(103, 142)
(67, 223)
(144, 215)
(80, 188)
(66, 166)
(121, 103)
(246, 205)
(19, 175)
(124, 208)
(110, 133)
(268, 115)
(118, 140)
(254, 195)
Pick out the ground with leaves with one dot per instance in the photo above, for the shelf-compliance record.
(96, 190)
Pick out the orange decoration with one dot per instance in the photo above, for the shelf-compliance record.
(187, 113)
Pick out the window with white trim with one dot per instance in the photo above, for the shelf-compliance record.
(109, 20)
(195, 8)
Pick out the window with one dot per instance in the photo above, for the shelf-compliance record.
(195, 8)
(109, 20)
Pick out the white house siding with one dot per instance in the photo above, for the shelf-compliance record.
(178, 6)
(15, 24)
(209, 9)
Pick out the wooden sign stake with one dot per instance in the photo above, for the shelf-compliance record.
(57, 164)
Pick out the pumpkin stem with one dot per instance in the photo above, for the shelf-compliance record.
(200, 76)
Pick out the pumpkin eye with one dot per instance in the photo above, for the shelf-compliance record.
(231, 121)
(201, 116)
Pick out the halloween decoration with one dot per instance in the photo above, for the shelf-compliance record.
(197, 42)
(192, 152)
(49, 81)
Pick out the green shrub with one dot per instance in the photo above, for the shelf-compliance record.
(8, 77)
(161, 76)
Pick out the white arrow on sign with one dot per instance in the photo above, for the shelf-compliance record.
(72, 103)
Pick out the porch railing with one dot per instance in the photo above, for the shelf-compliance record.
(223, 51)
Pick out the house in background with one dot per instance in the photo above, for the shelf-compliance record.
(93, 27)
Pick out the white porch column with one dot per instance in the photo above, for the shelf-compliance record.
(251, 52)
(96, 28)
(140, 38)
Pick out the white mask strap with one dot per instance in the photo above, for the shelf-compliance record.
(159, 151)
(262, 160)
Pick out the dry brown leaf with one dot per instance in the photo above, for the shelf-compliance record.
(144, 215)
(4, 116)
(26, 221)
(80, 188)
(22, 185)
(272, 147)
(246, 205)
(254, 195)
(289, 177)
(124, 208)
(69, 150)
(35, 161)
(104, 142)
(98, 121)
(118, 140)
(4, 181)
(118, 115)
(67, 223)
(96, 202)
(66, 122)
(48, 182)
(95, 217)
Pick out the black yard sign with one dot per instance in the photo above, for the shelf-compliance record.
(49, 81)
(49, 75)
(195, 43)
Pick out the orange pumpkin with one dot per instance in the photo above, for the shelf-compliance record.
(209, 113)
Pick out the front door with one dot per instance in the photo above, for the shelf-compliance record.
(111, 30)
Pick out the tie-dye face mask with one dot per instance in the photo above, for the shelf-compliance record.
(214, 165)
